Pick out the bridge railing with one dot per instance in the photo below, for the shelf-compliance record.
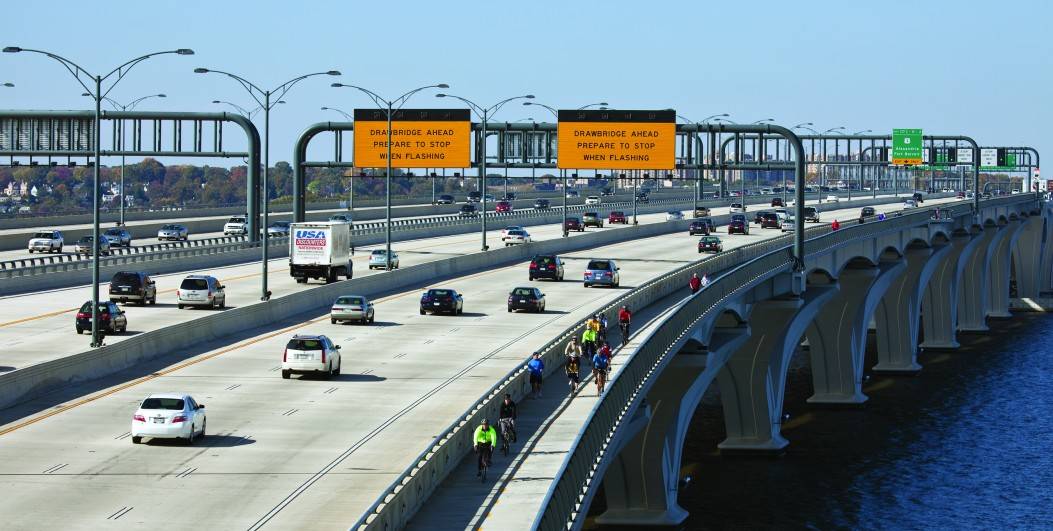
(565, 497)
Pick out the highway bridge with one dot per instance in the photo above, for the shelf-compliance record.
(283, 452)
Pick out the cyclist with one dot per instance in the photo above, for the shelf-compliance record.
(695, 283)
(507, 418)
(485, 439)
(625, 318)
(537, 370)
(603, 326)
(600, 366)
(573, 367)
(573, 348)
(605, 350)
(588, 341)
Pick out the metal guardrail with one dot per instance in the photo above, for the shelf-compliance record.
(122, 255)
(562, 504)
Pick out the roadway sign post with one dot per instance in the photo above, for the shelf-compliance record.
(907, 147)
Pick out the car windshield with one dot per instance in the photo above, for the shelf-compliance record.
(349, 300)
(236, 220)
(44, 235)
(379, 252)
(194, 283)
(516, 233)
(170, 227)
(304, 344)
(572, 220)
(711, 239)
(523, 292)
(440, 293)
(601, 265)
(590, 214)
(113, 232)
(85, 239)
(103, 307)
(544, 260)
(770, 215)
(125, 278)
(168, 404)
(738, 217)
(617, 213)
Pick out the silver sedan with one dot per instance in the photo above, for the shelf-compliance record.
(173, 232)
(352, 308)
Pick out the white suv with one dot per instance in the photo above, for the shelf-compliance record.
(236, 225)
(49, 241)
(592, 200)
(311, 354)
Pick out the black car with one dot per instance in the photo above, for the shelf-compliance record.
(918, 197)
(710, 244)
(758, 217)
(441, 300)
(698, 226)
(529, 299)
(777, 202)
(738, 226)
(133, 286)
(867, 212)
(606, 192)
(474, 197)
(642, 198)
(468, 211)
(770, 221)
(444, 199)
(542, 203)
(111, 318)
(546, 266)
(510, 196)
(574, 224)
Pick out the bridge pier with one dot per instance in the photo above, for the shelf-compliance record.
(837, 337)
(973, 291)
(940, 301)
(642, 483)
(1027, 258)
(1045, 280)
(754, 378)
(999, 271)
(897, 314)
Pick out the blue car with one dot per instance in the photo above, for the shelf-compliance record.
(603, 273)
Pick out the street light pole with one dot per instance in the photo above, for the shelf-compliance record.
(256, 92)
(97, 95)
(388, 106)
(484, 113)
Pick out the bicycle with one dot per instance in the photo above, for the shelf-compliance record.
(625, 332)
(508, 430)
(484, 450)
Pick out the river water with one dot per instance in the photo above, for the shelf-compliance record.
(967, 443)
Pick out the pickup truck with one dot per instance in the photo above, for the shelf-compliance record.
(50, 241)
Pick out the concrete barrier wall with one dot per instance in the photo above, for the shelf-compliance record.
(24, 384)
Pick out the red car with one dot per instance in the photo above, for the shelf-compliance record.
(770, 221)
(503, 206)
(616, 216)
(738, 227)
(574, 224)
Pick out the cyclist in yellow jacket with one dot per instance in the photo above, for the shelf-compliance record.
(485, 440)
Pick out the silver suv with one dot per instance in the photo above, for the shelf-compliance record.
(201, 290)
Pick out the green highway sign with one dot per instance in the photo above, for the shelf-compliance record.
(906, 147)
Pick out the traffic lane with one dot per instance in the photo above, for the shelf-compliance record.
(274, 451)
(48, 331)
(68, 248)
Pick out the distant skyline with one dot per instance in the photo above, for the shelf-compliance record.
(962, 67)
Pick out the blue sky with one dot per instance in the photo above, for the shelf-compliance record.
(963, 67)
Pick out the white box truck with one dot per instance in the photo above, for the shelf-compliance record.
(320, 249)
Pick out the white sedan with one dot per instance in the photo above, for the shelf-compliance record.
(592, 200)
(506, 230)
(910, 203)
(168, 416)
(516, 237)
(674, 215)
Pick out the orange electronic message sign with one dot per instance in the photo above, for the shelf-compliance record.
(420, 138)
(617, 140)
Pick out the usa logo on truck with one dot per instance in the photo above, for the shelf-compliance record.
(310, 239)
